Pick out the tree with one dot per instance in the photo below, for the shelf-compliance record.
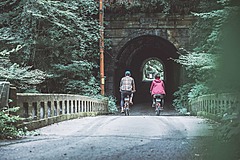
(214, 56)
(182, 7)
(24, 77)
(202, 60)
(58, 37)
(16, 40)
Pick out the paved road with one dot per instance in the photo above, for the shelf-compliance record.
(136, 137)
(145, 109)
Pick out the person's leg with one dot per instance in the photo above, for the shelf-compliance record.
(131, 99)
(122, 101)
(153, 101)
(162, 101)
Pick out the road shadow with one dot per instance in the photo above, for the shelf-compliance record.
(145, 109)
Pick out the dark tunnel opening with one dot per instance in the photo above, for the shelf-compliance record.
(133, 56)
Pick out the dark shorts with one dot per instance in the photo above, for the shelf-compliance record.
(125, 94)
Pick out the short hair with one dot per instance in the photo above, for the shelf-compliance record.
(127, 73)
(157, 75)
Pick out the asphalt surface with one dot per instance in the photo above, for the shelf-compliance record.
(140, 136)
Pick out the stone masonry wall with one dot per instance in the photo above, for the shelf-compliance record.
(121, 29)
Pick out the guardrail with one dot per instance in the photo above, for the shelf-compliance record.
(44, 109)
(214, 104)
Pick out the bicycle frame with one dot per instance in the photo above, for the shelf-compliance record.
(158, 98)
(126, 105)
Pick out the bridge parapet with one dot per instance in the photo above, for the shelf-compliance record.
(214, 104)
(44, 109)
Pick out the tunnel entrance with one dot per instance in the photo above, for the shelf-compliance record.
(135, 54)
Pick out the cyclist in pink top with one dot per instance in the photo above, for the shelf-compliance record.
(157, 86)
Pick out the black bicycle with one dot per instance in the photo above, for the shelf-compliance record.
(158, 99)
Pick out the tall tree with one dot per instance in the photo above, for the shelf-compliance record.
(59, 37)
(15, 38)
(202, 61)
(214, 56)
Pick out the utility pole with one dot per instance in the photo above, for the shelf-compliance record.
(101, 46)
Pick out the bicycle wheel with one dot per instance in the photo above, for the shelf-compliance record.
(127, 110)
(158, 110)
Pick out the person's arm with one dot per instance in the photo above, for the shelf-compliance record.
(163, 85)
(133, 85)
(151, 87)
(120, 85)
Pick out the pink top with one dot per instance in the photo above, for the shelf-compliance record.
(157, 87)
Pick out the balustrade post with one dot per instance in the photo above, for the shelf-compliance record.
(60, 110)
(30, 109)
(70, 106)
(45, 109)
(55, 108)
(65, 107)
(84, 105)
(38, 110)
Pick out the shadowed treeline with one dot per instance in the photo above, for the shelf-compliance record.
(228, 76)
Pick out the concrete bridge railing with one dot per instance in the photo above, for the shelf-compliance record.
(214, 104)
(44, 109)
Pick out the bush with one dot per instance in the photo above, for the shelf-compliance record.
(112, 107)
(181, 98)
(8, 124)
(230, 128)
(197, 90)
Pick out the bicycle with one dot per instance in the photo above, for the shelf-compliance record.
(126, 105)
(158, 99)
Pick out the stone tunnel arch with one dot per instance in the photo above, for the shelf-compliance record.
(133, 55)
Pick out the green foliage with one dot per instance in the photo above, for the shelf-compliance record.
(58, 37)
(8, 122)
(151, 6)
(214, 58)
(112, 107)
(229, 129)
(23, 77)
(227, 78)
(151, 67)
(197, 90)
(199, 66)
(81, 87)
(181, 98)
(188, 92)
(201, 61)
(76, 77)
(138, 6)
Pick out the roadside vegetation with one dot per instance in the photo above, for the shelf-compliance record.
(212, 66)
(49, 47)
(8, 124)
